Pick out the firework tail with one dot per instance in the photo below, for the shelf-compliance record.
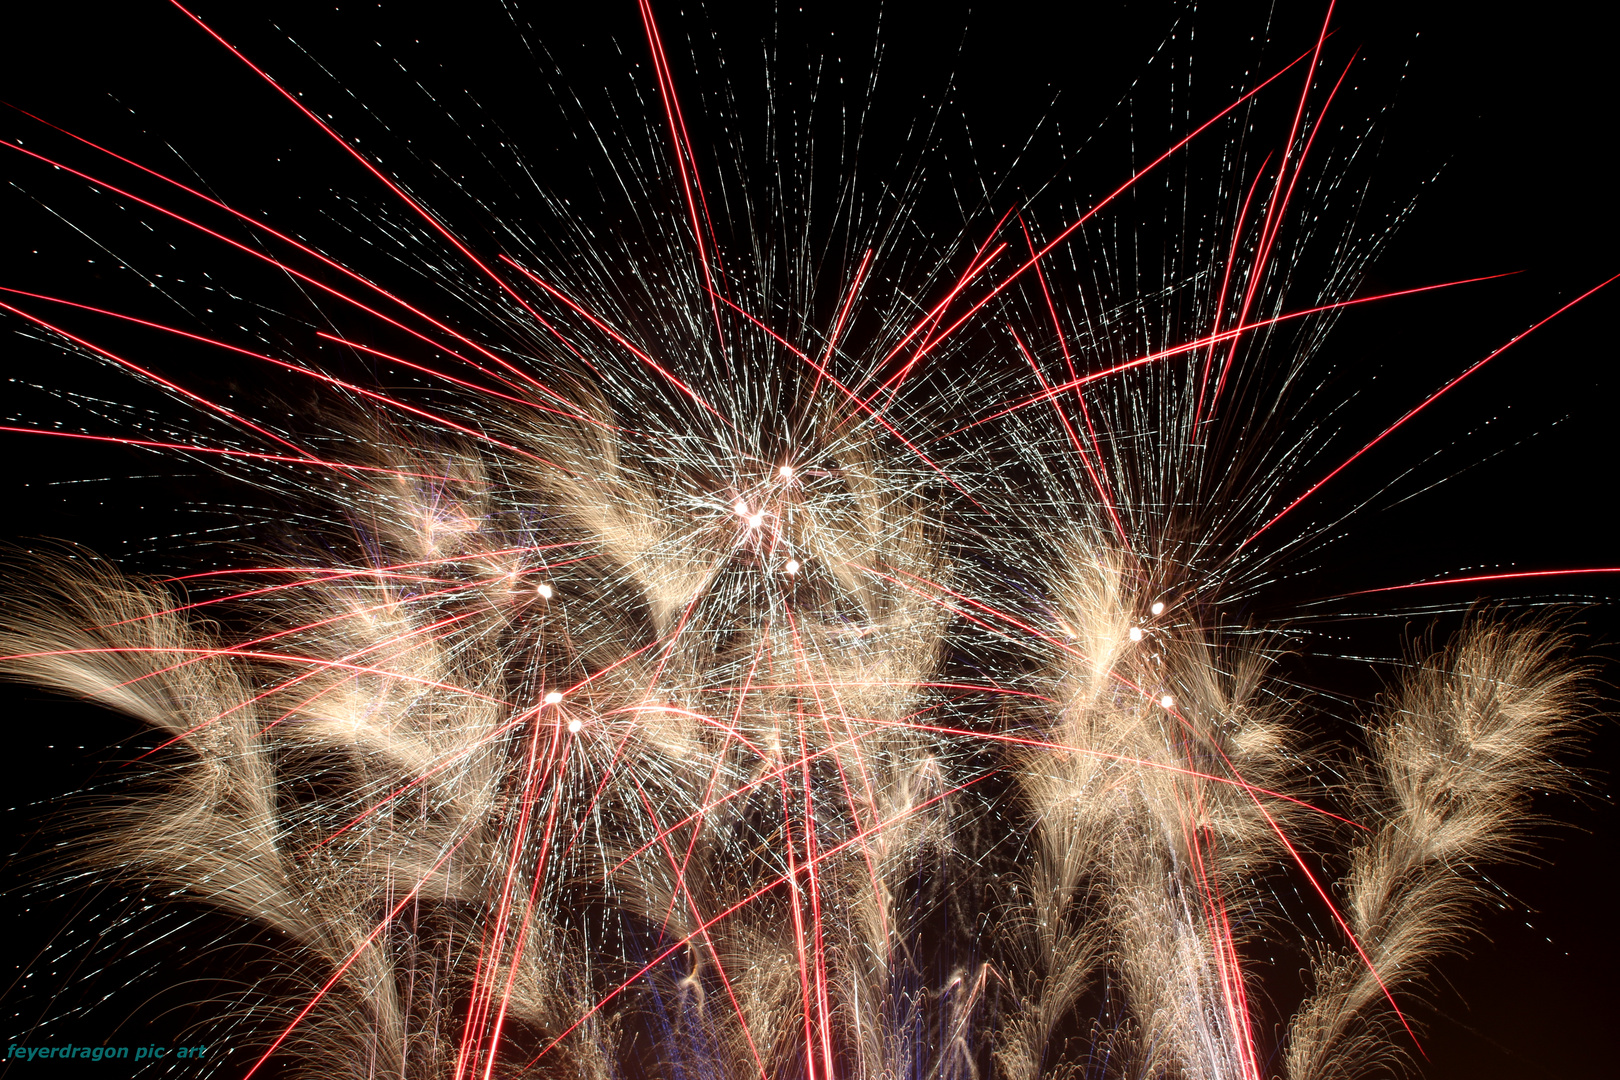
(1451, 765)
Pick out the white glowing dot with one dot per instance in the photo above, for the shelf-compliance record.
(545, 591)
(1158, 607)
(574, 726)
(552, 698)
(786, 472)
(741, 508)
(756, 521)
(1167, 701)
(793, 566)
(1136, 633)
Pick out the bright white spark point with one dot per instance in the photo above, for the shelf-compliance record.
(1136, 633)
(786, 471)
(574, 726)
(1158, 607)
(741, 508)
(793, 566)
(552, 698)
(1167, 701)
(756, 521)
(544, 591)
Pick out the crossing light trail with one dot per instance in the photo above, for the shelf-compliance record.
(682, 647)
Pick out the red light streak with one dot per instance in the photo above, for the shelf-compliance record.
(749, 899)
(1424, 404)
(1206, 342)
(1477, 578)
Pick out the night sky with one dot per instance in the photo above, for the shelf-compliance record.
(1497, 131)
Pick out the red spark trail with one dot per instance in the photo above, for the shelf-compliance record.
(1089, 214)
(452, 379)
(494, 941)
(1482, 577)
(198, 398)
(1277, 205)
(316, 282)
(1220, 299)
(339, 575)
(382, 571)
(843, 313)
(305, 628)
(190, 449)
(1100, 474)
(811, 846)
(420, 210)
(795, 906)
(931, 319)
(1420, 407)
(556, 758)
(343, 968)
(714, 775)
(1212, 339)
(1316, 886)
(639, 354)
(861, 768)
(282, 587)
(1227, 965)
(1085, 458)
(310, 372)
(682, 889)
(750, 898)
(252, 655)
(683, 158)
(306, 249)
(859, 404)
(1338, 918)
(801, 657)
(282, 686)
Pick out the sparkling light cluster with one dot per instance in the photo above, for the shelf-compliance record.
(693, 691)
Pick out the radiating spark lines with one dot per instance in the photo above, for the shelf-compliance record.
(867, 720)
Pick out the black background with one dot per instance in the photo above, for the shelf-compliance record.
(1500, 127)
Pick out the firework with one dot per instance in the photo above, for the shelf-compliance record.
(714, 629)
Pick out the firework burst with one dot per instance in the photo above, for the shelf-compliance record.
(708, 624)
